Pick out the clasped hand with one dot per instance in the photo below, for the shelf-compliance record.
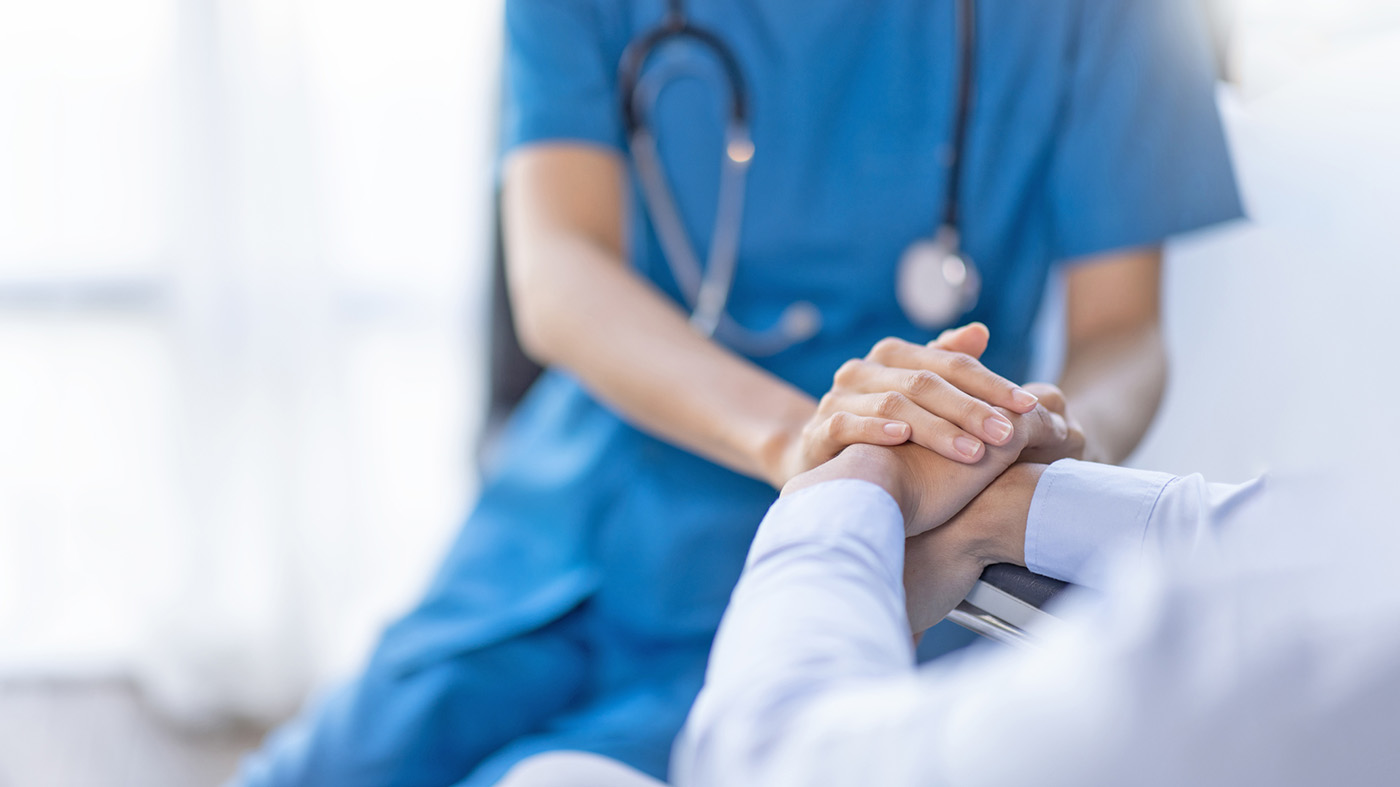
(938, 396)
(960, 513)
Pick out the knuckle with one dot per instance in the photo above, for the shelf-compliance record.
(972, 411)
(920, 382)
(890, 404)
(838, 423)
(962, 362)
(848, 372)
(1041, 425)
(885, 347)
(827, 403)
(1022, 426)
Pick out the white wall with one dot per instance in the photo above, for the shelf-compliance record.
(1284, 332)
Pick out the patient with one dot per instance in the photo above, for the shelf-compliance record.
(1234, 641)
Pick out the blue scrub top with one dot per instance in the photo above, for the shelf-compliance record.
(1092, 127)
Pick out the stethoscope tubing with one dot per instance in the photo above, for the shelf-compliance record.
(706, 289)
(677, 26)
(967, 49)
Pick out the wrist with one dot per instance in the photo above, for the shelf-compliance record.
(1001, 513)
(777, 450)
(880, 466)
(860, 462)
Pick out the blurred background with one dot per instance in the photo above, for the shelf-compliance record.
(244, 263)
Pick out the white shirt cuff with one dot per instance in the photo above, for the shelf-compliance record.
(833, 512)
(1082, 513)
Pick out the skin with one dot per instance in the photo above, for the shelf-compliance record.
(942, 564)
(931, 490)
(959, 518)
(563, 218)
(1115, 363)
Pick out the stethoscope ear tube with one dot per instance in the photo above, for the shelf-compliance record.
(634, 60)
(665, 217)
(704, 289)
(724, 241)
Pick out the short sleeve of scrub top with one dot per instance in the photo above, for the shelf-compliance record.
(1141, 154)
(561, 72)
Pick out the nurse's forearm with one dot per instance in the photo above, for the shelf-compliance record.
(1115, 364)
(1113, 385)
(656, 370)
(578, 306)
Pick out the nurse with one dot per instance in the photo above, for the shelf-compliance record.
(577, 606)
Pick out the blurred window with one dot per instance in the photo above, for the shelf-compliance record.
(242, 246)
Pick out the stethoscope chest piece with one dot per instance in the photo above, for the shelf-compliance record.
(936, 283)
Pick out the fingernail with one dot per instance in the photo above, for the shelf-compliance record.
(967, 446)
(1024, 398)
(999, 428)
(896, 430)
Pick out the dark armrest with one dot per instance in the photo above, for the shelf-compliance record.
(1007, 601)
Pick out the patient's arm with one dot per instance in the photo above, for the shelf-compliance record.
(812, 678)
(1067, 521)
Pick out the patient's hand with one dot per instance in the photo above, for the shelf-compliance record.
(984, 506)
(941, 565)
(940, 488)
(1071, 445)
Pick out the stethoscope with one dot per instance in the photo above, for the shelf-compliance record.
(936, 281)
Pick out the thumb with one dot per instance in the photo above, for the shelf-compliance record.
(970, 339)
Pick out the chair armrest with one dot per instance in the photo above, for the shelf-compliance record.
(1007, 602)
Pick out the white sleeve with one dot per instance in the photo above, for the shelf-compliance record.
(1086, 516)
(812, 681)
(819, 608)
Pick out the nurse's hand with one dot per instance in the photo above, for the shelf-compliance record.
(932, 489)
(938, 396)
